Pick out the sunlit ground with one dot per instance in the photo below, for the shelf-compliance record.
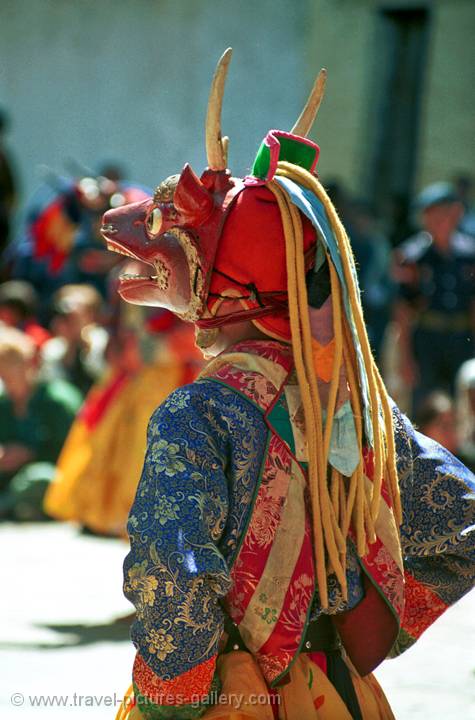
(61, 635)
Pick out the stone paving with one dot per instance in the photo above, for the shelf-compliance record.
(62, 634)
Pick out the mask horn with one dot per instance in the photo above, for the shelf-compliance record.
(307, 117)
(216, 145)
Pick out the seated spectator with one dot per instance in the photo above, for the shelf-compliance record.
(100, 464)
(76, 352)
(435, 417)
(34, 420)
(18, 303)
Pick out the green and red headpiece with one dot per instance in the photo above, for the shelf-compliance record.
(214, 237)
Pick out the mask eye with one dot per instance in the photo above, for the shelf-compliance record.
(154, 222)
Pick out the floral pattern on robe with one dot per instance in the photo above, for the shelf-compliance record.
(206, 447)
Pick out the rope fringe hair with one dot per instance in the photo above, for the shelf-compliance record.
(336, 501)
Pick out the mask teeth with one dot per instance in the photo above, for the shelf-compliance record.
(119, 250)
(131, 276)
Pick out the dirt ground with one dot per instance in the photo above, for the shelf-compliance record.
(63, 635)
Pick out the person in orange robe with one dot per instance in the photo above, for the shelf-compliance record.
(99, 467)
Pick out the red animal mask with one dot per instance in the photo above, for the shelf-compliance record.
(178, 232)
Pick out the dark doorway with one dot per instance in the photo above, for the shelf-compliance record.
(401, 52)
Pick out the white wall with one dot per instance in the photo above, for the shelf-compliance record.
(128, 79)
(448, 122)
(343, 39)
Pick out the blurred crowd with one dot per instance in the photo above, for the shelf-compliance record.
(81, 372)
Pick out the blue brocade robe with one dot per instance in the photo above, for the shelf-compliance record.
(206, 445)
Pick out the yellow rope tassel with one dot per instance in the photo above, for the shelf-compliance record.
(393, 484)
(342, 504)
(335, 501)
(311, 429)
(378, 395)
(335, 492)
(335, 381)
(333, 538)
(327, 534)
